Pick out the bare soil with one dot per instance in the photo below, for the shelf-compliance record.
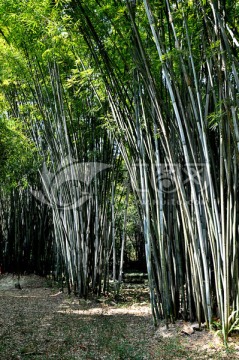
(40, 322)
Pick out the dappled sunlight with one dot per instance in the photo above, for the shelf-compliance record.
(137, 311)
(57, 294)
(20, 296)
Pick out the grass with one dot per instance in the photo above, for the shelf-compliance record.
(168, 347)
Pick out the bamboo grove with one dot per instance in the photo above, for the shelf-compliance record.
(146, 86)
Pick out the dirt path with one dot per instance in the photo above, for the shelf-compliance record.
(39, 322)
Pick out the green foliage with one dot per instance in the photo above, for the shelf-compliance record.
(18, 154)
(234, 322)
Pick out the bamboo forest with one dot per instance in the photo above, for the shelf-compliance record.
(119, 154)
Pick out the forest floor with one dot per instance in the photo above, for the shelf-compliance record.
(40, 322)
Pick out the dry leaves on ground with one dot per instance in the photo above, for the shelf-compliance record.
(39, 322)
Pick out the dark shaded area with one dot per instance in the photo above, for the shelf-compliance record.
(26, 235)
